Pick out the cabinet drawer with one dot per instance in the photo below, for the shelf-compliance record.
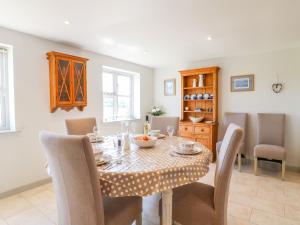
(202, 130)
(185, 130)
(204, 141)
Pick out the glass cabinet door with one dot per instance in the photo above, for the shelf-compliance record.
(64, 81)
(79, 82)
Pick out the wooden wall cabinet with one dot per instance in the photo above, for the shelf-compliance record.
(67, 75)
(205, 132)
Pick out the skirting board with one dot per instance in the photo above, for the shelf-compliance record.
(24, 188)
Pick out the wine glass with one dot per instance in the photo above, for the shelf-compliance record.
(170, 130)
(95, 131)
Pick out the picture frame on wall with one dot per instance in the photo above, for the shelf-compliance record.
(170, 87)
(242, 83)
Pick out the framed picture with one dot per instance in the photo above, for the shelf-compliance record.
(170, 87)
(242, 83)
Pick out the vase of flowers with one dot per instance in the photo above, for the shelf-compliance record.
(156, 111)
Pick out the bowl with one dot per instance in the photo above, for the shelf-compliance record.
(186, 145)
(145, 141)
(154, 133)
(196, 119)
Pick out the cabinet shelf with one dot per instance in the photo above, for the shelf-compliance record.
(203, 112)
(198, 100)
(204, 87)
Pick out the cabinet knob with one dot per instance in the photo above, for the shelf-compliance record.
(202, 130)
(185, 128)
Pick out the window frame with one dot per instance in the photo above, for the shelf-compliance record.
(7, 91)
(116, 73)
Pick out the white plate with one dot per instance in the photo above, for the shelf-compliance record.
(194, 151)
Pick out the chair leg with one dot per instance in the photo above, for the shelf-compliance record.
(255, 166)
(282, 169)
(138, 220)
(239, 161)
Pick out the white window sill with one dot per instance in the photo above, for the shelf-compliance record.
(9, 131)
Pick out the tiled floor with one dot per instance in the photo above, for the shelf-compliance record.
(253, 200)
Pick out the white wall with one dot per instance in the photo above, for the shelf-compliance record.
(285, 63)
(21, 156)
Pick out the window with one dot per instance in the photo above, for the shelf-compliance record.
(121, 95)
(6, 90)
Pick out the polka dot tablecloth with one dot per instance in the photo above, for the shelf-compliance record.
(142, 172)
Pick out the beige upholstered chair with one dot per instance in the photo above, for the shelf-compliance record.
(161, 123)
(239, 119)
(270, 144)
(80, 126)
(77, 187)
(202, 204)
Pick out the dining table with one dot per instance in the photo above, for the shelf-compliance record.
(146, 171)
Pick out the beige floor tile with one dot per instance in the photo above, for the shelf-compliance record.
(40, 197)
(239, 211)
(34, 191)
(2, 222)
(253, 200)
(44, 201)
(257, 203)
(263, 218)
(270, 194)
(249, 190)
(236, 221)
(29, 217)
(12, 205)
(292, 212)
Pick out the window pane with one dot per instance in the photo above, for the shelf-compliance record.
(108, 108)
(123, 108)
(108, 83)
(4, 120)
(1, 112)
(124, 85)
(136, 97)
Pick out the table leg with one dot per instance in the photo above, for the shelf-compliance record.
(167, 207)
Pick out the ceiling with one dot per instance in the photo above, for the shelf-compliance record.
(159, 33)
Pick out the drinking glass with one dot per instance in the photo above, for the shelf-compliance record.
(95, 130)
(170, 130)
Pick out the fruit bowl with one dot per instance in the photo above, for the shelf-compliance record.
(196, 119)
(145, 141)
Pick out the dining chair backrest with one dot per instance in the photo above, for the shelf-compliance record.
(271, 128)
(224, 166)
(80, 126)
(74, 174)
(161, 123)
(239, 119)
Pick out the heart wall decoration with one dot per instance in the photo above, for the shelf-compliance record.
(277, 87)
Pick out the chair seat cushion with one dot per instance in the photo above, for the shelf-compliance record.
(193, 204)
(122, 210)
(270, 152)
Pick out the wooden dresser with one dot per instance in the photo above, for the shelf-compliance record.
(200, 99)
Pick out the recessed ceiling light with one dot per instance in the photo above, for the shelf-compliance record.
(108, 41)
(146, 52)
(209, 38)
(67, 22)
